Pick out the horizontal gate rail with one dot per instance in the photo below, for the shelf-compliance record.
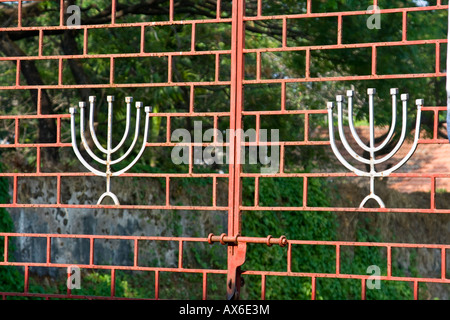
(7, 237)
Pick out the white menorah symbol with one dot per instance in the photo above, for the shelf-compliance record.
(371, 149)
(109, 150)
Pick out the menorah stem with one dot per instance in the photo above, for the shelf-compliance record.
(110, 100)
(371, 92)
(372, 185)
(372, 195)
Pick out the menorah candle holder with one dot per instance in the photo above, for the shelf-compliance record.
(109, 150)
(371, 148)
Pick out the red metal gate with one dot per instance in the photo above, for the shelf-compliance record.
(242, 14)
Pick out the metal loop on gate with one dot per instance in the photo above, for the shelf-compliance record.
(268, 240)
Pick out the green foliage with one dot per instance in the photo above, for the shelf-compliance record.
(10, 278)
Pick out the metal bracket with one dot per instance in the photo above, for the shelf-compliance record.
(237, 250)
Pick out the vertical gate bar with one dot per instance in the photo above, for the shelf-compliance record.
(41, 33)
(15, 190)
(136, 253)
(281, 169)
(193, 27)
(416, 290)
(169, 69)
(233, 115)
(49, 248)
(18, 73)
(443, 264)
(205, 286)
(168, 130)
(263, 286)
(404, 26)
(259, 8)
(156, 284)
(68, 275)
(236, 91)
(433, 193)
(374, 60)
(258, 66)
(58, 189)
(192, 158)
(26, 278)
(306, 135)
(307, 63)
(214, 192)
(85, 41)
(289, 258)
(191, 98)
(38, 159)
(436, 124)
(218, 9)
(363, 289)
(5, 250)
(338, 258)
(216, 128)
(313, 288)
(113, 12)
(142, 46)
(257, 127)
(308, 6)
(389, 261)
(91, 251)
(58, 130)
(339, 30)
(60, 71)
(113, 282)
(217, 69)
(61, 13)
(171, 14)
(238, 95)
(111, 70)
(19, 14)
(16, 131)
(284, 33)
(180, 254)
(438, 58)
(305, 192)
(283, 96)
(167, 191)
(256, 199)
(38, 104)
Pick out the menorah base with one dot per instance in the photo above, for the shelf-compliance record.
(108, 194)
(374, 197)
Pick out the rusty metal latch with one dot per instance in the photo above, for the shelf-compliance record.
(237, 249)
